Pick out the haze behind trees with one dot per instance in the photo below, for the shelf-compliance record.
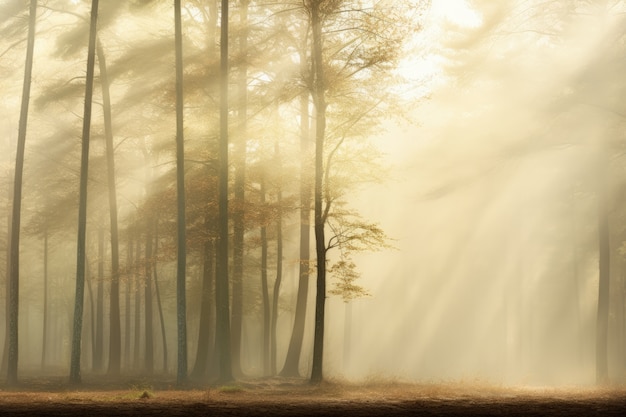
(492, 130)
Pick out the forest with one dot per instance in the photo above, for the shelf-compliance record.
(415, 190)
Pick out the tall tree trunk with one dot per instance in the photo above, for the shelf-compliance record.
(602, 324)
(137, 327)
(99, 348)
(203, 351)
(279, 267)
(206, 329)
(92, 315)
(319, 215)
(239, 192)
(292, 360)
(129, 274)
(149, 353)
(44, 336)
(5, 350)
(14, 277)
(75, 376)
(181, 298)
(264, 289)
(158, 293)
(115, 331)
(221, 279)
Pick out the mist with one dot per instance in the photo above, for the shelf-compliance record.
(495, 209)
(487, 185)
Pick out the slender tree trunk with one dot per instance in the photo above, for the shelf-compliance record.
(99, 349)
(129, 274)
(115, 331)
(206, 329)
(320, 220)
(75, 376)
(149, 353)
(181, 298)
(92, 315)
(158, 294)
(7, 287)
(203, 351)
(44, 336)
(347, 337)
(14, 277)
(292, 360)
(602, 324)
(221, 281)
(137, 327)
(264, 289)
(279, 269)
(239, 193)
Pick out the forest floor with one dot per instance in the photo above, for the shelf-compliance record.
(100, 396)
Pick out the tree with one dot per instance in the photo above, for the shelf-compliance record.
(129, 268)
(265, 345)
(604, 268)
(350, 45)
(14, 280)
(221, 276)
(279, 265)
(318, 91)
(181, 303)
(115, 332)
(292, 360)
(206, 328)
(98, 355)
(158, 294)
(44, 336)
(75, 375)
(149, 333)
(239, 191)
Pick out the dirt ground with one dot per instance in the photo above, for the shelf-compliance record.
(295, 397)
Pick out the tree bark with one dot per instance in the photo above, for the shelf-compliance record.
(279, 268)
(129, 274)
(181, 298)
(44, 336)
(158, 294)
(149, 333)
(203, 349)
(137, 327)
(115, 331)
(92, 315)
(292, 360)
(5, 350)
(239, 193)
(99, 348)
(319, 222)
(264, 289)
(602, 323)
(14, 276)
(75, 375)
(221, 284)
(206, 330)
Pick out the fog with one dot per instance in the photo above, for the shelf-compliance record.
(494, 208)
(487, 187)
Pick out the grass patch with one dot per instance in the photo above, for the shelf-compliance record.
(230, 389)
(140, 390)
